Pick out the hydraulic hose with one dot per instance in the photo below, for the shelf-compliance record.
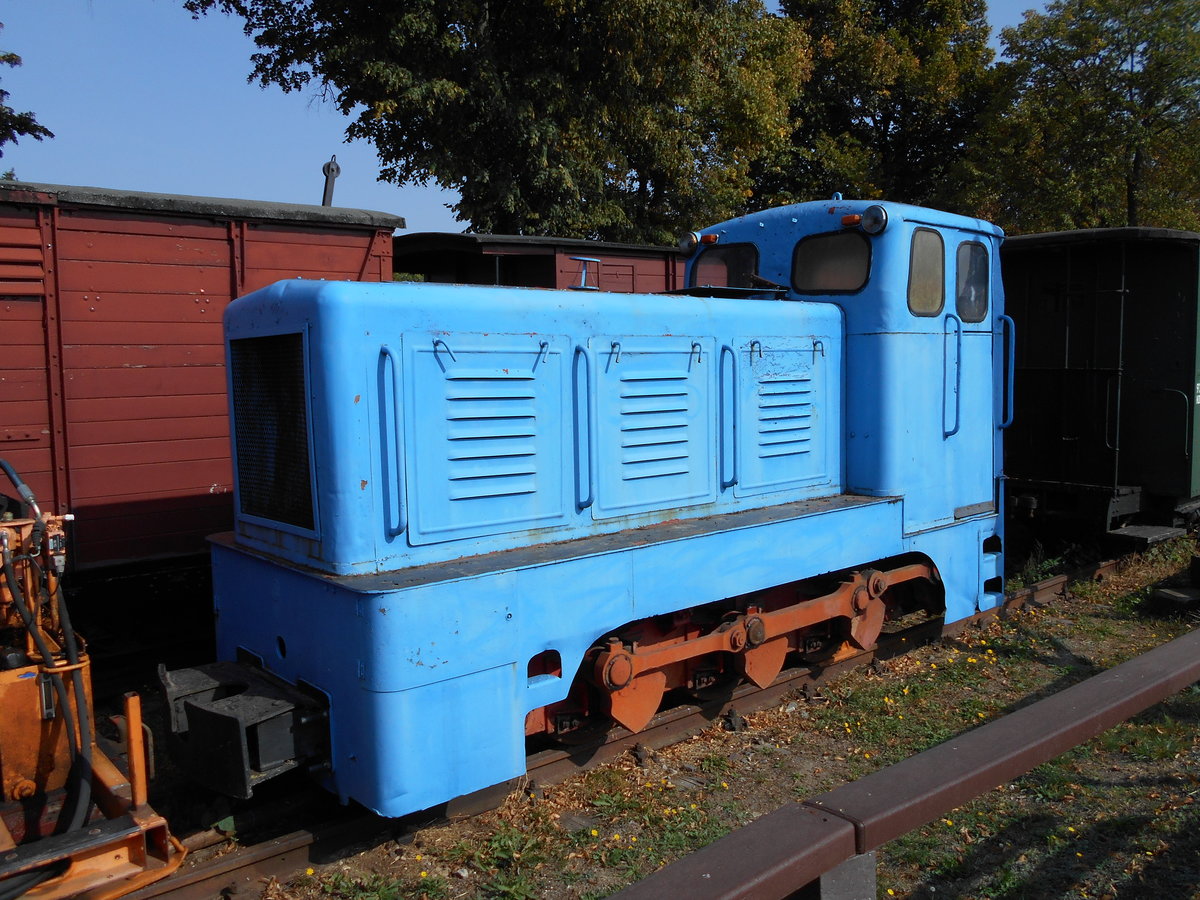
(22, 488)
(80, 758)
(19, 885)
(83, 762)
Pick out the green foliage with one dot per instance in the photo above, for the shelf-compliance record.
(895, 93)
(1096, 118)
(565, 117)
(15, 124)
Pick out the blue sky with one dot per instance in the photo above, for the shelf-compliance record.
(141, 97)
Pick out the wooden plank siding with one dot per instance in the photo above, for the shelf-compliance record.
(136, 324)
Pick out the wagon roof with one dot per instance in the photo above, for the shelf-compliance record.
(1092, 235)
(422, 241)
(29, 193)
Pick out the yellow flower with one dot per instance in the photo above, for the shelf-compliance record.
(948, 821)
(309, 870)
(424, 874)
(725, 785)
(633, 839)
(595, 833)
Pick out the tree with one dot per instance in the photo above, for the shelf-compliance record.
(896, 89)
(15, 124)
(571, 117)
(1098, 123)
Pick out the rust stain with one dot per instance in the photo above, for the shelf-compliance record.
(362, 485)
(357, 398)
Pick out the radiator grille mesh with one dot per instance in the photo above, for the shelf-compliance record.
(270, 427)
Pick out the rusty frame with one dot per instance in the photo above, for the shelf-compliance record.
(634, 677)
(784, 851)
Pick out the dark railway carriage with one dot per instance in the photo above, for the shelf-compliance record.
(112, 386)
(1107, 378)
(470, 515)
(522, 261)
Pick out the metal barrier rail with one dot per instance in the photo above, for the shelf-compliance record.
(793, 847)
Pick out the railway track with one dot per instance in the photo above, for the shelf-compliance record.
(225, 870)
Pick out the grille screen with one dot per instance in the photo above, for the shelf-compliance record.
(270, 426)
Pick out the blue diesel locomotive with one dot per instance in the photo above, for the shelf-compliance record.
(469, 515)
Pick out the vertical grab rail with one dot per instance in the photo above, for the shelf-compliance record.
(729, 429)
(1010, 369)
(584, 475)
(1187, 425)
(386, 357)
(958, 330)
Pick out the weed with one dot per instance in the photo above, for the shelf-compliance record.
(715, 764)
(1149, 741)
(511, 885)
(1037, 567)
(367, 887)
(1049, 782)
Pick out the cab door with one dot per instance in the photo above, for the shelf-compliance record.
(950, 294)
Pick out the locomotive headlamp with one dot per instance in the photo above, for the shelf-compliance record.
(693, 239)
(874, 219)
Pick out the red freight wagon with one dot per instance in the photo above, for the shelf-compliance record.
(525, 261)
(112, 383)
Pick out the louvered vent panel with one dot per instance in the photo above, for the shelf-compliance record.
(22, 262)
(486, 420)
(785, 416)
(654, 426)
(491, 436)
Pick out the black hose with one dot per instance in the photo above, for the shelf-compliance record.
(19, 885)
(83, 763)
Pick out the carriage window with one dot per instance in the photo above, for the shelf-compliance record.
(834, 263)
(731, 266)
(926, 273)
(971, 291)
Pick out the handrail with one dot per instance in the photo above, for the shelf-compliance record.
(398, 468)
(782, 852)
(729, 435)
(958, 367)
(1010, 369)
(1187, 424)
(585, 430)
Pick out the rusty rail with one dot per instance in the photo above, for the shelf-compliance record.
(786, 850)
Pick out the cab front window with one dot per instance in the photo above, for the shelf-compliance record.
(834, 263)
(733, 265)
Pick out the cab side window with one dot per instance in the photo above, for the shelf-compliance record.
(734, 265)
(927, 273)
(971, 282)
